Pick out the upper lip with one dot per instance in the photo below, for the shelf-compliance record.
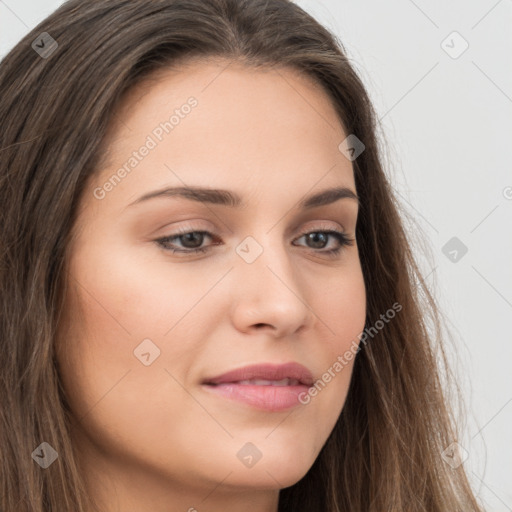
(265, 371)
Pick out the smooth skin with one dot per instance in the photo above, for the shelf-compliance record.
(150, 437)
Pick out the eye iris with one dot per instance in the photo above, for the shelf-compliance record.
(190, 237)
(317, 235)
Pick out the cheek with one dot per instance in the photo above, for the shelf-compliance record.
(136, 293)
(341, 309)
(117, 312)
(122, 404)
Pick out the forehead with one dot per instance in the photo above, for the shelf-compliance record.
(249, 127)
(229, 94)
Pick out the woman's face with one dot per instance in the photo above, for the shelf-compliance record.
(146, 327)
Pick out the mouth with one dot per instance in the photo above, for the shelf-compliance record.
(265, 386)
(263, 382)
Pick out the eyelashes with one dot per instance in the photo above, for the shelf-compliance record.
(197, 237)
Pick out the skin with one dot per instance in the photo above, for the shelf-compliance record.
(151, 438)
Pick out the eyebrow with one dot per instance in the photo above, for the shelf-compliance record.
(233, 200)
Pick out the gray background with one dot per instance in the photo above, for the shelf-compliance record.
(447, 124)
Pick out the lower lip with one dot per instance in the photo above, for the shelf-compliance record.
(269, 398)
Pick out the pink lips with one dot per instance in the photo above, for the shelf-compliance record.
(275, 395)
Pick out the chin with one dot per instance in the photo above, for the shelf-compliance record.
(266, 479)
(279, 470)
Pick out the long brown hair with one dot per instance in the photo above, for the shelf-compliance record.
(385, 452)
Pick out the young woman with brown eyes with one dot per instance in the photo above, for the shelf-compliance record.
(209, 300)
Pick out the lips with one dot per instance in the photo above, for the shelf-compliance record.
(289, 374)
(266, 387)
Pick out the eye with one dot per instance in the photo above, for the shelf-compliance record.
(192, 241)
(322, 237)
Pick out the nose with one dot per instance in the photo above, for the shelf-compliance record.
(269, 293)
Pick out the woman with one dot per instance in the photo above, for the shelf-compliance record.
(208, 298)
